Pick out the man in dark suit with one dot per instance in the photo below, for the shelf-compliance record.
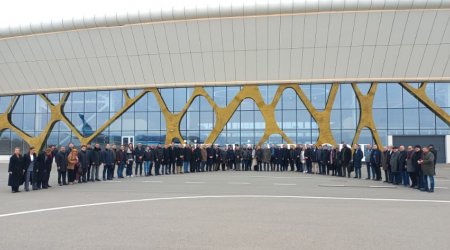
(346, 156)
(44, 163)
(375, 161)
(61, 164)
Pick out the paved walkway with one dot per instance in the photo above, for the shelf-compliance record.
(227, 210)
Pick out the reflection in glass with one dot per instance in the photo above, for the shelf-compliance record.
(379, 100)
(427, 119)
(411, 118)
(395, 120)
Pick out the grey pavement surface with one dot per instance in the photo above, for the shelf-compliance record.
(227, 210)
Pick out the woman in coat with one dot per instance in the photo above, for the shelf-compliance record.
(72, 162)
(130, 160)
(16, 171)
(427, 165)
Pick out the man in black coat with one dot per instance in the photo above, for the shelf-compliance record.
(148, 161)
(217, 158)
(61, 164)
(95, 160)
(165, 161)
(171, 164)
(308, 159)
(231, 158)
(375, 161)
(197, 157)
(320, 159)
(159, 156)
(83, 158)
(139, 152)
(402, 165)
(89, 152)
(178, 154)
(346, 156)
(297, 158)
(30, 162)
(16, 169)
(187, 158)
(108, 162)
(44, 163)
(277, 158)
(314, 160)
(284, 157)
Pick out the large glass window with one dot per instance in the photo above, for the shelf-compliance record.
(395, 112)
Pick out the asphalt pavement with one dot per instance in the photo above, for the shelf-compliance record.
(227, 210)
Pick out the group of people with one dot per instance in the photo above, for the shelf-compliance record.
(414, 166)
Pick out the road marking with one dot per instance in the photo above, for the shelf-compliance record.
(221, 197)
(382, 187)
(239, 183)
(153, 181)
(287, 177)
(111, 181)
(441, 187)
(359, 186)
(284, 184)
(194, 182)
(280, 177)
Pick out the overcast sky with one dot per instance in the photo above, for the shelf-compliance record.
(17, 12)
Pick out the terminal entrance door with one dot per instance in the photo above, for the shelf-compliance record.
(127, 140)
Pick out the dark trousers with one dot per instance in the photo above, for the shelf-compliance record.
(369, 170)
(202, 166)
(413, 178)
(62, 177)
(420, 183)
(396, 178)
(109, 171)
(387, 177)
(309, 166)
(299, 165)
(209, 165)
(71, 175)
(377, 170)
(120, 167)
(89, 173)
(44, 179)
(129, 171)
(323, 167)
(84, 176)
(172, 168)
(113, 169)
(14, 188)
(231, 165)
(157, 166)
(338, 170)
(344, 170)
(138, 165)
(291, 165)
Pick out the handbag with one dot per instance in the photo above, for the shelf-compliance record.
(351, 167)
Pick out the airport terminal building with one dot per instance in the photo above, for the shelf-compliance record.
(246, 72)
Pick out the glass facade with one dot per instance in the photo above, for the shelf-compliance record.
(395, 111)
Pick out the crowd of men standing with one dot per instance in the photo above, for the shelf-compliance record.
(413, 167)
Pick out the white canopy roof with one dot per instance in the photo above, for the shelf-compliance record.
(229, 42)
